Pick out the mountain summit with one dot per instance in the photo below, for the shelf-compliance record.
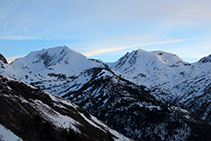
(143, 60)
(53, 56)
(56, 61)
(151, 68)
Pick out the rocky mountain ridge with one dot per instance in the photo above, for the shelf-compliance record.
(34, 115)
(138, 87)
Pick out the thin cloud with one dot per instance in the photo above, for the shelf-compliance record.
(105, 50)
(17, 37)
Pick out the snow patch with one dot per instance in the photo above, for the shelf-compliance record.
(7, 135)
(56, 118)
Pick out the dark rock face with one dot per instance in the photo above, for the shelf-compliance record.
(205, 59)
(133, 111)
(2, 58)
(24, 110)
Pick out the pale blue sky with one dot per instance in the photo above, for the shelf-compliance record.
(106, 29)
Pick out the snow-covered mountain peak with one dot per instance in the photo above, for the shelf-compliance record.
(52, 56)
(61, 61)
(153, 68)
(141, 58)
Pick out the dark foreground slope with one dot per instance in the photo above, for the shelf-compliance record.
(35, 116)
(133, 111)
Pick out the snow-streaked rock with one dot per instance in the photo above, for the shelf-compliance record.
(131, 109)
(34, 115)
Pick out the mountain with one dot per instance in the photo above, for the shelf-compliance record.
(128, 94)
(43, 64)
(170, 79)
(153, 68)
(132, 110)
(34, 115)
(156, 70)
(126, 106)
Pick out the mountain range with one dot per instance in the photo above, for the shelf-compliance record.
(144, 95)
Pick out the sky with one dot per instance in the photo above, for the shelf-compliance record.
(106, 29)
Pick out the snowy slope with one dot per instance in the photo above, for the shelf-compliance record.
(34, 115)
(7, 135)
